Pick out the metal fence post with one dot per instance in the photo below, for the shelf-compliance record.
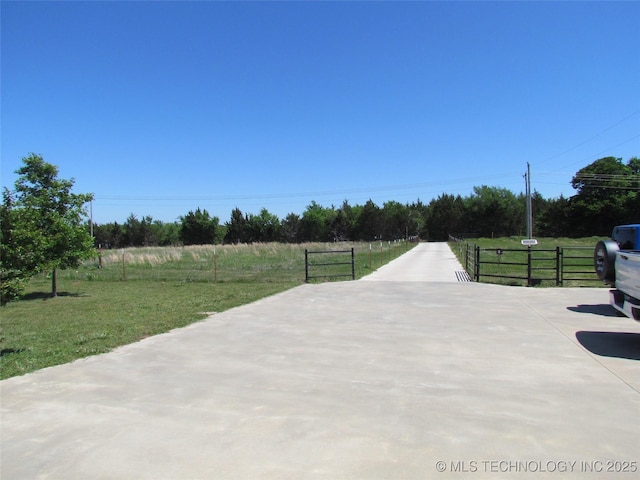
(476, 266)
(559, 265)
(353, 265)
(306, 266)
(529, 266)
(466, 257)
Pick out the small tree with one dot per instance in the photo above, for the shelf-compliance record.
(48, 232)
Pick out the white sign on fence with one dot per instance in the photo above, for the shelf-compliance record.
(529, 242)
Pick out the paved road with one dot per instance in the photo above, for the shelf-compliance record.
(348, 380)
(426, 262)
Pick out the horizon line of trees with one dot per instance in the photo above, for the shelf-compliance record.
(43, 223)
(608, 194)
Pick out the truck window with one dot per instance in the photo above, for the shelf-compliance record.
(625, 237)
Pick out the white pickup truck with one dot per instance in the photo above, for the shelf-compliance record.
(617, 262)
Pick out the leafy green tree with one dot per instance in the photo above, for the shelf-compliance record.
(166, 234)
(315, 225)
(17, 261)
(495, 212)
(264, 227)
(47, 222)
(198, 228)
(607, 190)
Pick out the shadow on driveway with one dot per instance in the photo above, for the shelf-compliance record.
(603, 309)
(611, 344)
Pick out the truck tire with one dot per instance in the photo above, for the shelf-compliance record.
(604, 259)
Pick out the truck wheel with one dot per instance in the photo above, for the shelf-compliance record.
(604, 259)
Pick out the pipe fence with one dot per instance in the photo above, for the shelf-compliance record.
(531, 266)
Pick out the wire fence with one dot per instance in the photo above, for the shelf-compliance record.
(258, 262)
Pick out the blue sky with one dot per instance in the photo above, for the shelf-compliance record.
(158, 108)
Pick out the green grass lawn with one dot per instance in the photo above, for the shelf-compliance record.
(142, 292)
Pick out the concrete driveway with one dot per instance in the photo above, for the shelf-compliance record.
(351, 380)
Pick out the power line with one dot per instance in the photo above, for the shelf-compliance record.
(590, 157)
(292, 195)
(596, 136)
(608, 176)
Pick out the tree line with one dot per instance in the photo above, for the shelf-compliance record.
(608, 194)
(44, 225)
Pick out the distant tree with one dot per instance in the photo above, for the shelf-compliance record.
(395, 217)
(369, 224)
(332, 225)
(417, 221)
(607, 190)
(108, 235)
(138, 233)
(198, 228)
(314, 225)
(495, 212)
(290, 228)
(132, 235)
(552, 218)
(264, 227)
(343, 224)
(236, 228)
(46, 220)
(166, 234)
(446, 216)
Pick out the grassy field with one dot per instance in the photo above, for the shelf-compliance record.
(507, 257)
(146, 291)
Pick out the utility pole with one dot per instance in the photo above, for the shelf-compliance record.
(527, 184)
